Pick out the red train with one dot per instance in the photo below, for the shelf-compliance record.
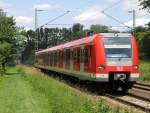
(105, 57)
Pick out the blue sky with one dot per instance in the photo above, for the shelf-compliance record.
(86, 12)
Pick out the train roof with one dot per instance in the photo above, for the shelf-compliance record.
(85, 40)
(115, 35)
(66, 45)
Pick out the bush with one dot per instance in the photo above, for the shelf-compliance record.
(146, 45)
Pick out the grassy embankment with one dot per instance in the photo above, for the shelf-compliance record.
(145, 71)
(26, 90)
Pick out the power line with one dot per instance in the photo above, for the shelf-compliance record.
(60, 24)
(116, 3)
(55, 18)
(115, 19)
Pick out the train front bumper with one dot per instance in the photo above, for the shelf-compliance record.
(106, 77)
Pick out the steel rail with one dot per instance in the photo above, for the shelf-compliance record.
(128, 103)
(139, 97)
(142, 86)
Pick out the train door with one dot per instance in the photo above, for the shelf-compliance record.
(64, 58)
(71, 58)
(67, 59)
(76, 59)
(82, 58)
(61, 59)
(49, 59)
(88, 58)
(46, 58)
(53, 58)
(58, 58)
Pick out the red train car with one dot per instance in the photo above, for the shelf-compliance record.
(105, 57)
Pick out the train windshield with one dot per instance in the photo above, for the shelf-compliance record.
(117, 47)
(118, 52)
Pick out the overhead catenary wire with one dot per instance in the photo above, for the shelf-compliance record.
(115, 19)
(48, 23)
(61, 24)
(114, 4)
(54, 19)
(120, 22)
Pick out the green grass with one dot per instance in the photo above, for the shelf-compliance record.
(27, 90)
(145, 70)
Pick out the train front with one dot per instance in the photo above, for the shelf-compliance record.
(121, 64)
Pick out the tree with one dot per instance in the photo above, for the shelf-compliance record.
(7, 29)
(148, 26)
(145, 4)
(77, 30)
(5, 52)
(97, 28)
(28, 51)
(2, 13)
(7, 39)
(77, 27)
(146, 44)
(140, 29)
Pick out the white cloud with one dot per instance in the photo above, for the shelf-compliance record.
(139, 22)
(131, 4)
(112, 1)
(4, 5)
(28, 28)
(90, 14)
(42, 6)
(21, 20)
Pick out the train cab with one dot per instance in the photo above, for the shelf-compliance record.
(117, 59)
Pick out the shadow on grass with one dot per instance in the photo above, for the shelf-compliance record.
(11, 73)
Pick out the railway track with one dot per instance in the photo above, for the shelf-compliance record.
(138, 96)
(147, 85)
(132, 100)
(141, 91)
(142, 86)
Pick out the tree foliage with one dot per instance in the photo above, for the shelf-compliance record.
(145, 4)
(7, 39)
(7, 29)
(97, 28)
(5, 52)
(146, 44)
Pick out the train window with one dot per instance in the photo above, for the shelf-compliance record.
(58, 57)
(52, 58)
(49, 58)
(76, 56)
(55, 57)
(64, 58)
(68, 55)
(117, 41)
(86, 55)
(82, 51)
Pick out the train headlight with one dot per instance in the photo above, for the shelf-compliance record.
(101, 67)
(136, 67)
